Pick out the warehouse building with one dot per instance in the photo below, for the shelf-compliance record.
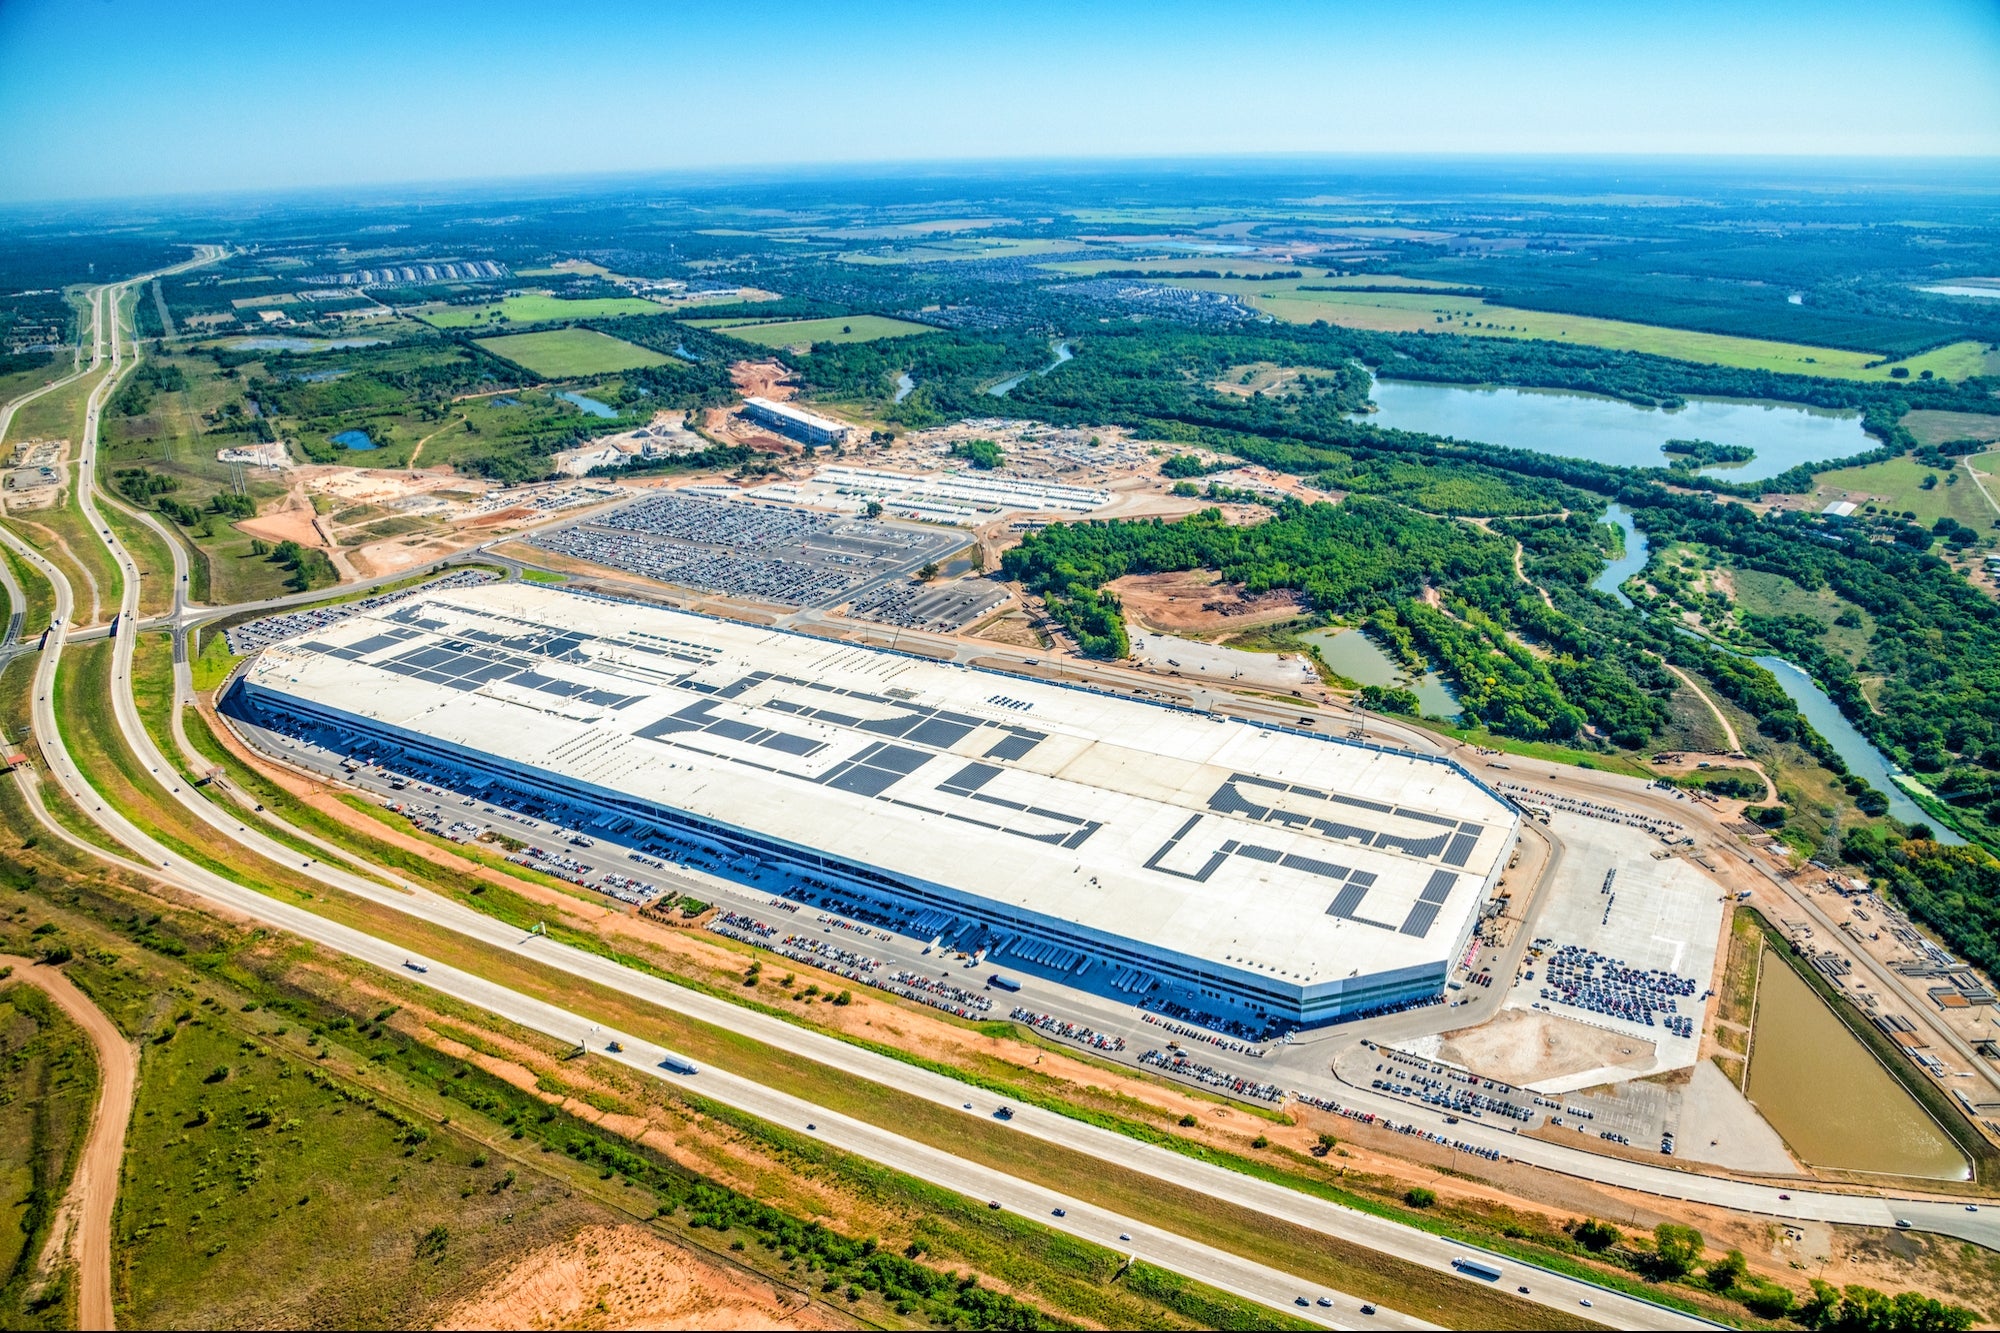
(1247, 870)
(806, 427)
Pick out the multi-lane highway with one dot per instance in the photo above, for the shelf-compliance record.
(1183, 1254)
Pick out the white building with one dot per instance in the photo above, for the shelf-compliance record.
(1252, 869)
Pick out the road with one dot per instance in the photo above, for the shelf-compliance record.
(82, 1227)
(1376, 1233)
(1181, 1254)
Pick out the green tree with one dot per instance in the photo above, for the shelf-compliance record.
(1676, 1249)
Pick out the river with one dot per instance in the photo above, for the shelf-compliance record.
(904, 384)
(1847, 741)
(1612, 580)
(1818, 708)
(1828, 1095)
(1004, 387)
(1609, 430)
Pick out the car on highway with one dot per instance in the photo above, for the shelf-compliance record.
(1327, 1301)
(1059, 1212)
(1902, 1224)
(992, 1203)
(1368, 1309)
(1123, 1236)
(1301, 1300)
(1585, 1302)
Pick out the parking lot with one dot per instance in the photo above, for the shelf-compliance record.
(253, 635)
(1626, 942)
(789, 557)
(943, 608)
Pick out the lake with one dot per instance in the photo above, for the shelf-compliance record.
(1351, 653)
(354, 439)
(1608, 430)
(1828, 1095)
(1612, 580)
(590, 405)
(301, 344)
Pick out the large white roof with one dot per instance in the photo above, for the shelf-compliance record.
(1287, 858)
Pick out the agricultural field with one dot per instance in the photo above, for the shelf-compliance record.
(1898, 486)
(569, 353)
(533, 308)
(839, 329)
(1410, 312)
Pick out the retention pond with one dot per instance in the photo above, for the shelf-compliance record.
(1351, 653)
(1825, 1092)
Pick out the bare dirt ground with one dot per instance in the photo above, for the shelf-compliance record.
(765, 379)
(82, 1229)
(627, 1277)
(1012, 627)
(291, 521)
(1199, 600)
(1522, 1047)
(393, 555)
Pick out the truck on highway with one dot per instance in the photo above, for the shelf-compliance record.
(1476, 1268)
(674, 1064)
(1004, 983)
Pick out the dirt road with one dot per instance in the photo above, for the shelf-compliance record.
(83, 1222)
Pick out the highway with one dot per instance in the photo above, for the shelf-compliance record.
(1276, 1289)
(1240, 1277)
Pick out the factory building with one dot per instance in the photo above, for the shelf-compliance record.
(1242, 869)
(806, 427)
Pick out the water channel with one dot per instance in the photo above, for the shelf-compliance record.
(1609, 430)
(1004, 387)
(1351, 653)
(1826, 1093)
(1813, 703)
(1637, 549)
(904, 384)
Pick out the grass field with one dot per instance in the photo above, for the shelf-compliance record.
(1410, 312)
(48, 1082)
(533, 308)
(1899, 485)
(1937, 427)
(840, 329)
(565, 353)
(1775, 595)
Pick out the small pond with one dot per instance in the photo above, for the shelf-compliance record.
(301, 344)
(1351, 653)
(590, 405)
(1608, 430)
(354, 439)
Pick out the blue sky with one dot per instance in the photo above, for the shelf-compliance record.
(102, 98)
